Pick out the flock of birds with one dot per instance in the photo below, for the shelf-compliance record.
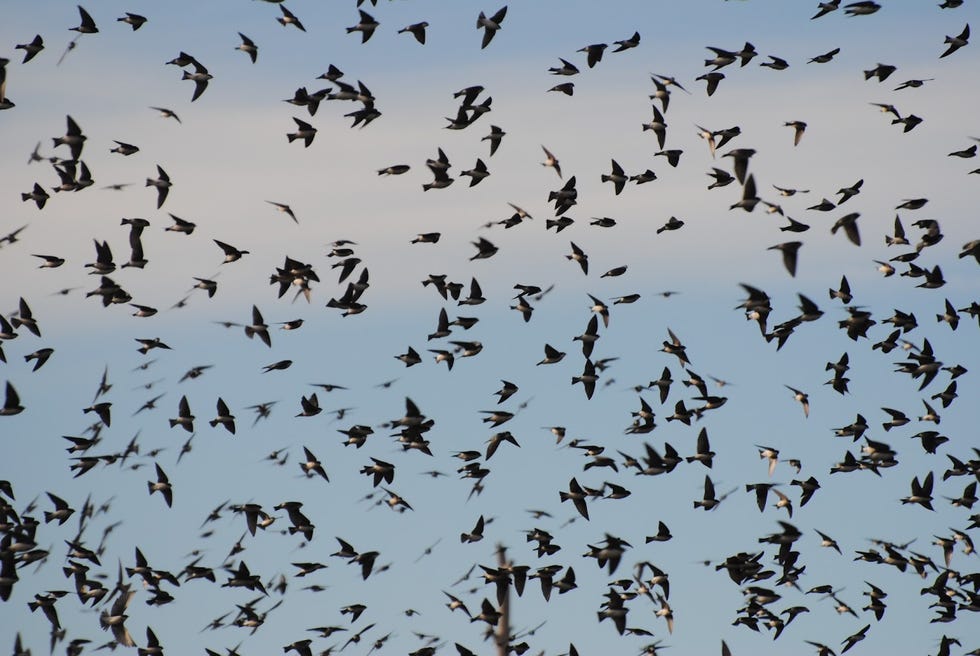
(102, 578)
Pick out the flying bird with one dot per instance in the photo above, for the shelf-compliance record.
(490, 25)
(957, 42)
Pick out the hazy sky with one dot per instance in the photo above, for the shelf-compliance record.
(229, 155)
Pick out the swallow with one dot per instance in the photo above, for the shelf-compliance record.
(847, 193)
(285, 209)
(417, 30)
(162, 184)
(147, 344)
(912, 84)
(490, 25)
(921, 492)
(475, 296)
(855, 638)
(396, 169)
(288, 18)
(441, 179)
(162, 485)
(862, 8)
(578, 255)
(312, 466)
(477, 173)
(790, 251)
(184, 417)
(473, 536)
(594, 53)
(39, 356)
(577, 495)
(115, 617)
(304, 131)
(708, 501)
(676, 348)
(957, 42)
(224, 417)
(799, 127)
(124, 148)
(25, 318)
(232, 254)
(551, 355)
(825, 8)
(551, 160)
(588, 378)
(721, 178)
(848, 223)
(200, 76)
(87, 25)
(642, 178)
(712, 80)
(567, 88)
(880, 71)
(248, 46)
(31, 49)
(135, 21)
(73, 138)
(776, 63)
(366, 26)
(618, 177)
(661, 93)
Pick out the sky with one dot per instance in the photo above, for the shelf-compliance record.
(229, 156)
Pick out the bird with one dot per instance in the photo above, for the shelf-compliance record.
(551, 160)
(957, 42)
(490, 25)
(200, 76)
(184, 417)
(495, 137)
(31, 49)
(73, 138)
(162, 184)
(577, 496)
(417, 30)
(848, 223)
(802, 398)
(135, 21)
(285, 209)
(626, 44)
(588, 378)
(617, 177)
(366, 26)
(162, 485)
(790, 251)
(224, 417)
(304, 131)
(824, 58)
(288, 18)
(115, 618)
(248, 47)
(578, 255)
(87, 26)
(594, 53)
(167, 113)
(708, 501)
(232, 254)
(799, 127)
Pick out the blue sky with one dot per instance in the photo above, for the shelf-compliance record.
(230, 155)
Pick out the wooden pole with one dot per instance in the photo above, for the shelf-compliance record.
(502, 637)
